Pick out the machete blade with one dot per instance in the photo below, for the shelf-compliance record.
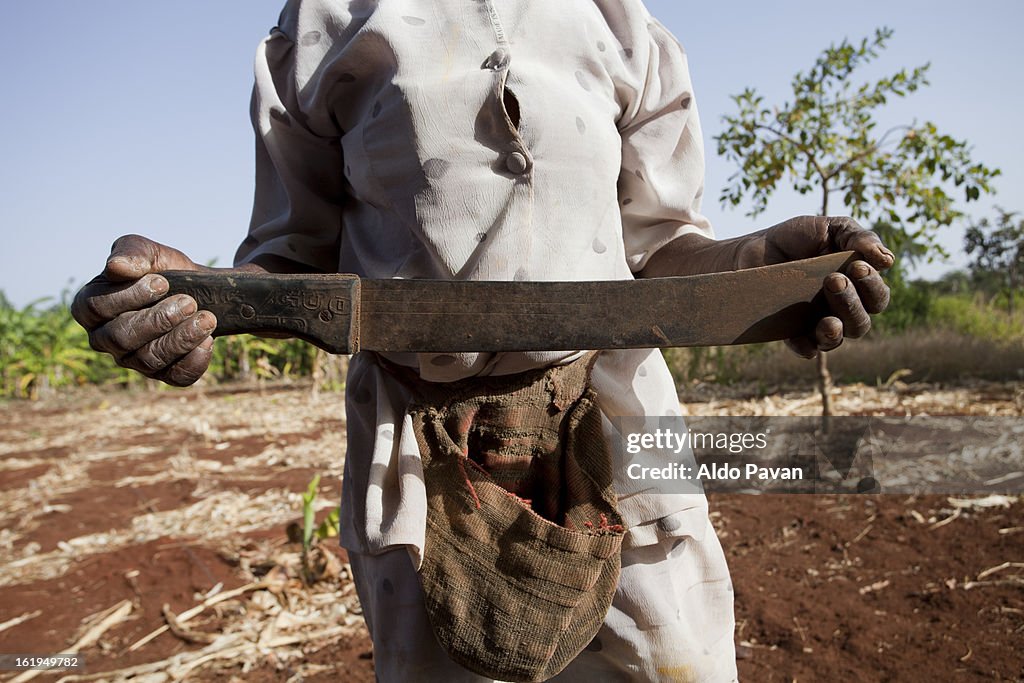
(737, 307)
(345, 314)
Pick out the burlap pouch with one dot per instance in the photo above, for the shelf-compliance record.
(512, 594)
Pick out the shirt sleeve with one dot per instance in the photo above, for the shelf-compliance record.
(662, 179)
(300, 185)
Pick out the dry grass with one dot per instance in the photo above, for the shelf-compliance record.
(923, 356)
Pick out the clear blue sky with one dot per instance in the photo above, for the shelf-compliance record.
(126, 116)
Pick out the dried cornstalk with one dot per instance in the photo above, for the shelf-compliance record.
(998, 568)
(198, 609)
(178, 667)
(116, 615)
(183, 633)
(11, 623)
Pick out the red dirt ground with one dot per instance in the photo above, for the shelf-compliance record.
(158, 497)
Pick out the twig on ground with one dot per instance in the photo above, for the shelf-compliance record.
(801, 630)
(876, 586)
(115, 615)
(947, 520)
(11, 623)
(198, 609)
(150, 667)
(179, 666)
(1012, 581)
(998, 568)
(994, 500)
(867, 529)
(183, 633)
(1005, 478)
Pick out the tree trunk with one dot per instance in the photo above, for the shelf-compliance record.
(337, 370)
(244, 369)
(824, 376)
(319, 357)
(825, 389)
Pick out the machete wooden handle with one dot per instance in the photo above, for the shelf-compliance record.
(321, 309)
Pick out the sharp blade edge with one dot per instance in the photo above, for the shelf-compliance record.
(738, 307)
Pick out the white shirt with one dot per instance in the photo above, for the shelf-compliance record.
(474, 140)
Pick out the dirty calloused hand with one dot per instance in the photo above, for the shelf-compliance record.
(128, 315)
(853, 296)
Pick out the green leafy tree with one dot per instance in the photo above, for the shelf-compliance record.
(827, 141)
(998, 251)
(953, 282)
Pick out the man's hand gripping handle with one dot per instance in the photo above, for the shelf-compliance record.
(321, 309)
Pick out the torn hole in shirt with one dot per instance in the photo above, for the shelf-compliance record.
(511, 104)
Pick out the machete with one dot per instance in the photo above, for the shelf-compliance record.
(345, 313)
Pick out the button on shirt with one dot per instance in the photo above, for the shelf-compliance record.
(516, 163)
(472, 140)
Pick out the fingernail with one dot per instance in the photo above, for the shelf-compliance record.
(158, 285)
(120, 265)
(836, 284)
(187, 306)
(130, 263)
(859, 270)
(205, 323)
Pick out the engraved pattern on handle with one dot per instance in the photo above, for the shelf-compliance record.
(323, 310)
